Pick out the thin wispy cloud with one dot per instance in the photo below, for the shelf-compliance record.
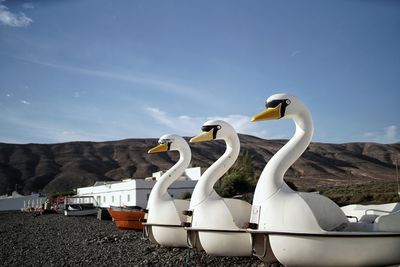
(295, 53)
(53, 131)
(25, 102)
(187, 125)
(391, 132)
(12, 19)
(10, 140)
(163, 118)
(28, 5)
(388, 134)
(8, 95)
(151, 83)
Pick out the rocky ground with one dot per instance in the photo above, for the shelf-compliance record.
(56, 240)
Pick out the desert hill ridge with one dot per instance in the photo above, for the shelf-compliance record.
(64, 166)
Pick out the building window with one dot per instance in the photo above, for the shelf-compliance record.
(112, 199)
(129, 197)
(104, 198)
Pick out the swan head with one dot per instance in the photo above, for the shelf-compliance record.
(168, 142)
(214, 130)
(280, 106)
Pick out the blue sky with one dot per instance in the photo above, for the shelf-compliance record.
(106, 70)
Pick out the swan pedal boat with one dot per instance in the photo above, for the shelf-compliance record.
(215, 224)
(307, 229)
(164, 215)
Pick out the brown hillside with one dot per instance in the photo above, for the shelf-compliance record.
(62, 167)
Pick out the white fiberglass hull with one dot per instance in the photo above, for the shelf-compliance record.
(226, 244)
(344, 249)
(232, 243)
(167, 235)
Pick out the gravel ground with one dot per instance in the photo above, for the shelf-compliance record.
(56, 240)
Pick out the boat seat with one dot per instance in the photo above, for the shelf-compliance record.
(240, 211)
(368, 218)
(388, 223)
(360, 227)
(326, 212)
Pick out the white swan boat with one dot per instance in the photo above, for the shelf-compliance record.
(218, 225)
(307, 229)
(165, 218)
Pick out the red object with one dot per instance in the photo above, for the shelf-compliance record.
(127, 218)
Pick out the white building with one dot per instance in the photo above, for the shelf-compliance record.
(189, 174)
(135, 192)
(18, 202)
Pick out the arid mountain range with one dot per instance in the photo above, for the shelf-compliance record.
(62, 167)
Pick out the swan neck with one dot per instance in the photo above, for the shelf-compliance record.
(161, 187)
(205, 185)
(271, 179)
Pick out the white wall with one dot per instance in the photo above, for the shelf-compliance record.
(125, 193)
(193, 173)
(116, 194)
(189, 174)
(17, 203)
(178, 188)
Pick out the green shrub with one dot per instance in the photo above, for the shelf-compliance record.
(241, 177)
(186, 195)
(235, 184)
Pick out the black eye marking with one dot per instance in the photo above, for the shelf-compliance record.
(208, 128)
(274, 103)
(167, 142)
